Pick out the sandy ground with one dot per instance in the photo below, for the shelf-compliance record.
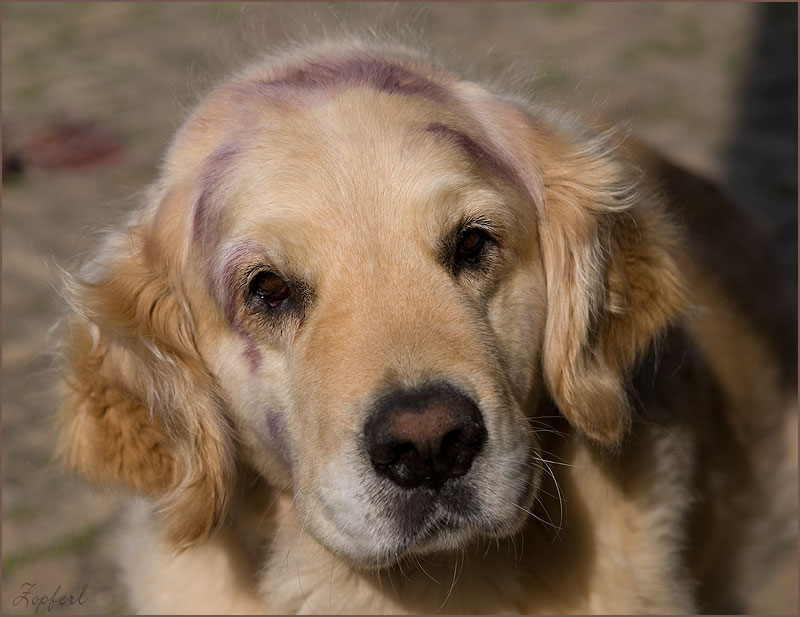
(712, 85)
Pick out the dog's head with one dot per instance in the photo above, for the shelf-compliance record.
(362, 274)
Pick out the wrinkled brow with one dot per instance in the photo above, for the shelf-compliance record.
(479, 153)
(376, 73)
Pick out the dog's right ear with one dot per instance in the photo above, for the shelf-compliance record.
(140, 409)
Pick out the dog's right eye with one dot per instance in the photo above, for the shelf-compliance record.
(270, 289)
(470, 247)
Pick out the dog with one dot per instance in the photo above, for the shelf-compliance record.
(382, 339)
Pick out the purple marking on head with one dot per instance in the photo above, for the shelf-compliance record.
(223, 277)
(478, 153)
(250, 349)
(276, 425)
(206, 210)
(377, 73)
(224, 284)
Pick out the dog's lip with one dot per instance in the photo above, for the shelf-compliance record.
(435, 530)
(426, 540)
(437, 526)
(444, 526)
(449, 519)
(399, 523)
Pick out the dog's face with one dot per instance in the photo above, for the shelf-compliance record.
(362, 277)
(380, 303)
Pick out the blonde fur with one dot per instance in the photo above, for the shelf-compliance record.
(594, 341)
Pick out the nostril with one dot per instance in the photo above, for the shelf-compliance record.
(424, 437)
(457, 451)
(388, 453)
(450, 439)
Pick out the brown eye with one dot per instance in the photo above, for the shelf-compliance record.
(270, 289)
(470, 246)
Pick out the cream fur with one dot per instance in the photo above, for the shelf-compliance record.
(641, 433)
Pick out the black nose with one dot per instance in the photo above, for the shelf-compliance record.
(424, 437)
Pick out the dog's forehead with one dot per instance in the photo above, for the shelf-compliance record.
(361, 162)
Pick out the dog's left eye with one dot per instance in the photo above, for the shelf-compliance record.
(271, 289)
(470, 247)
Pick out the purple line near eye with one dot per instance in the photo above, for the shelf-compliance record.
(250, 353)
(207, 209)
(480, 154)
(224, 281)
(224, 285)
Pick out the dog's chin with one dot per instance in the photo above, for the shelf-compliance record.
(392, 553)
(440, 537)
(390, 538)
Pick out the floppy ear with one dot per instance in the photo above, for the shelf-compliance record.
(609, 253)
(613, 283)
(140, 409)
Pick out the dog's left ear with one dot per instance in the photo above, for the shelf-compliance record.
(613, 286)
(610, 257)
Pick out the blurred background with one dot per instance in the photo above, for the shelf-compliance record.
(92, 92)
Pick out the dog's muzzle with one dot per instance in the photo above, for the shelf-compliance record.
(424, 437)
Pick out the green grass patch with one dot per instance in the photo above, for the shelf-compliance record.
(558, 10)
(12, 180)
(224, 12)
(66, 545)
(732, 65)
(32, 92)
(688, 41)
(664, 108)
(18, 512)
(550, 75)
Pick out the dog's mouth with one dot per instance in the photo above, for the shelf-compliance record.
(424, 514)
(417, 524)
(430, 470)
(390, 524)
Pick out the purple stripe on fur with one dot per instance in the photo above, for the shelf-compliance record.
(376, 73)
(477, 152)
(276, 424)
(250, 349)
(206, 210)
(223, 281)
(225, 287)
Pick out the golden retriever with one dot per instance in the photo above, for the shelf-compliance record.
(383, 340)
